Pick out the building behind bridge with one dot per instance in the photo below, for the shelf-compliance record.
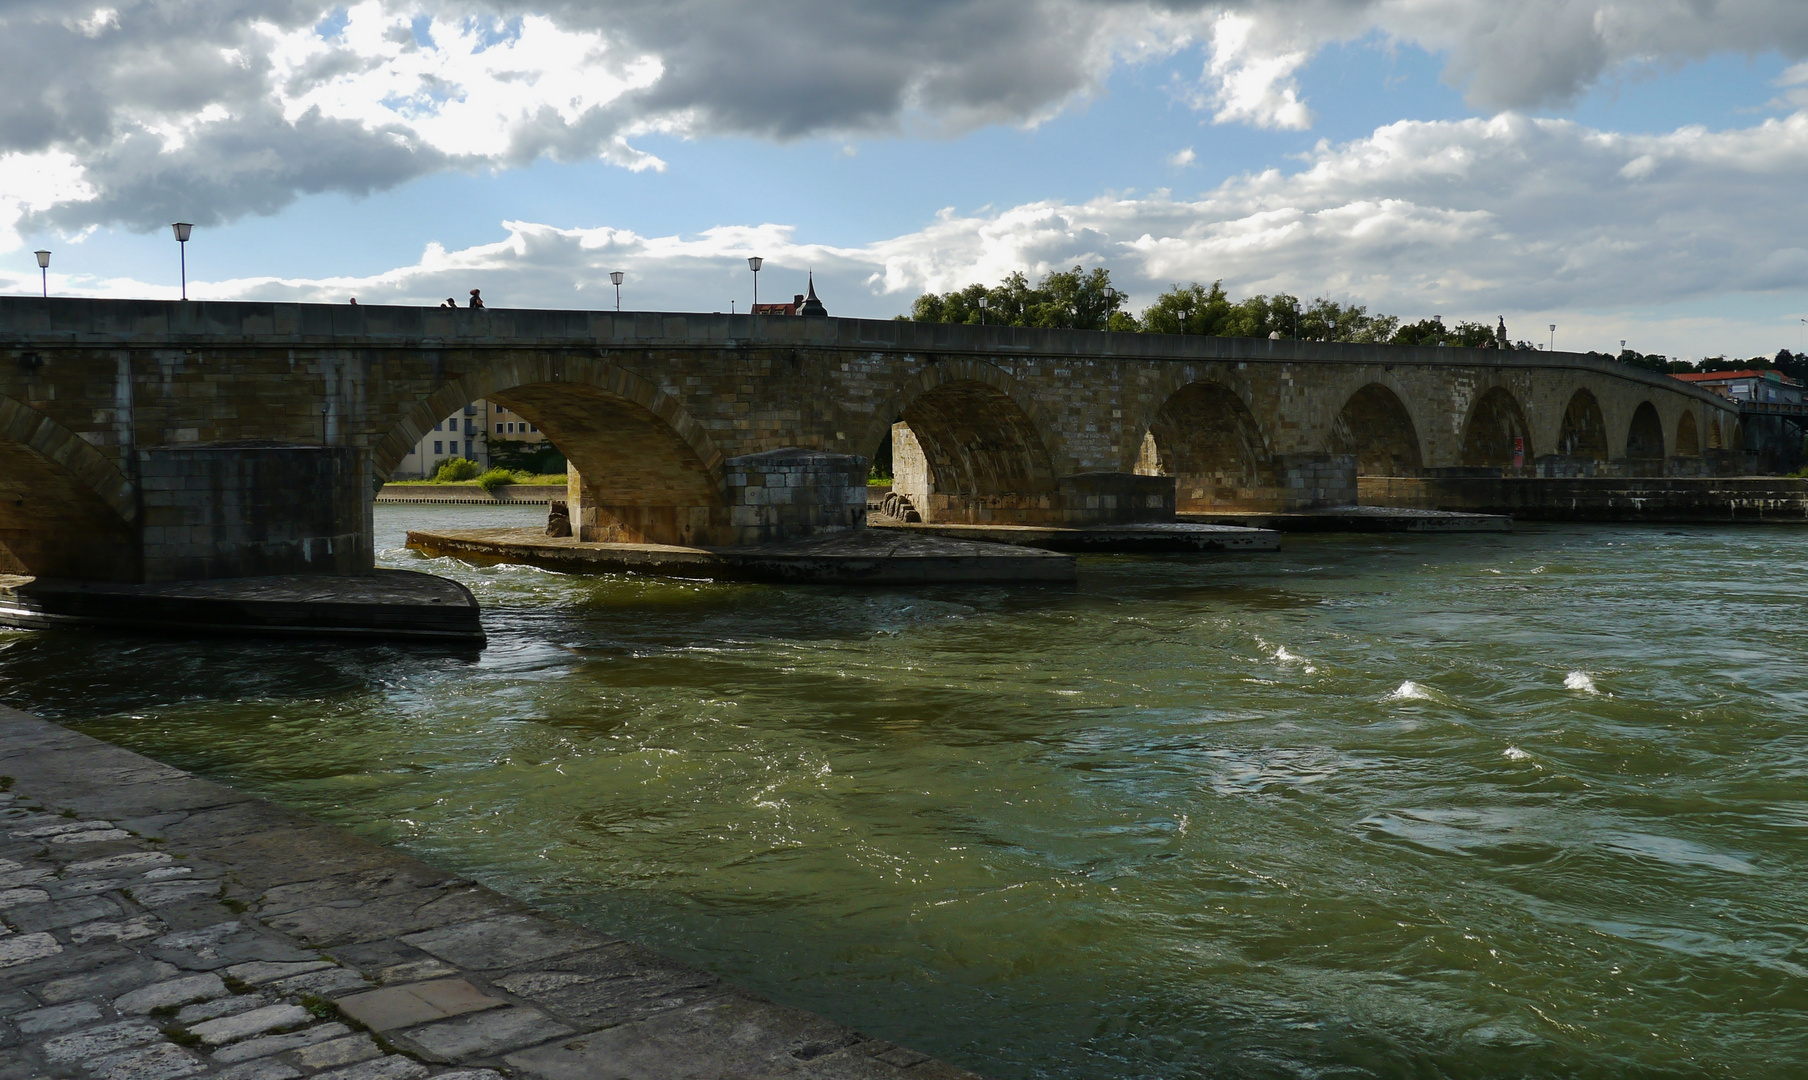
(468, 434)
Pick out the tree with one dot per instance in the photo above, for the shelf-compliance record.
(1077, 299)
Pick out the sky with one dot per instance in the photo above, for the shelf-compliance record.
(1627, 170)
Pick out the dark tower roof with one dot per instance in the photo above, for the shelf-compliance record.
(811, 305)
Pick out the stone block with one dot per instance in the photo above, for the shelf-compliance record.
(256, 1022)
(342, 1051)
(505, 941)
(163, 1061)
(57, 1017)
(263, 1069)
(483, 1035)
(389, 1068)
(98, 1042)
(108, 981)
(276, 1044)
(405, 1006)
(171, 992)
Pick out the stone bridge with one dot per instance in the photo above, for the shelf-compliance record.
(153, 440)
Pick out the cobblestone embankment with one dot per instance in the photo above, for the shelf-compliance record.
(157, 925)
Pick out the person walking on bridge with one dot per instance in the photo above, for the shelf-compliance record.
(476, 299)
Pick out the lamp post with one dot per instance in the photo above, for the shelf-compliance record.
(44, 270)
(754, 262)
(1553, 337)
(182, 229)
(616, 278)
(982, 309)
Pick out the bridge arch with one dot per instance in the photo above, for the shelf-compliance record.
(1206, 436)
(1688, 437)
(1375, 427)
(1495, 434)
(65, 509)
(1645, 434)
(1584, 431)
(645, 470)
(980, 450)
(592, 410)
(1715, 442)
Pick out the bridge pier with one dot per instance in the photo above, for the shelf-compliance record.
(770, 497)
(246, 509)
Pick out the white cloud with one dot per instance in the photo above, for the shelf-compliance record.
(214, 109)
(1630, 236)
(1181, 159)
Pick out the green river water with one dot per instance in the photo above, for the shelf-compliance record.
(1467, 806)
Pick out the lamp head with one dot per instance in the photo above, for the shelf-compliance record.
(616, 277)
(753, 263)
(182, 229)
(983, 302)
(43, 259)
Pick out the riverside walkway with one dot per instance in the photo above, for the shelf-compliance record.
(157, 925)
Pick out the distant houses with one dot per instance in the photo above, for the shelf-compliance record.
(1747, 387)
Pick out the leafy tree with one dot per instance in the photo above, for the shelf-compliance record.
(1077, 299)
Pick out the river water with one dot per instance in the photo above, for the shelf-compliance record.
(1468, 806)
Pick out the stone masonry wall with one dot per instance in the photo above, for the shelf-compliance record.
(651, 406)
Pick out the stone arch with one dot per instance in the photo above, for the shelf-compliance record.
(1375, 428)
(1206, 437)
(975, 451)
(1645, 435)
(649, 472)
(65, 509)
(1584, 431)
(939, 373)
(607, 415)
(1496, 435)
(1688, 439)
(1714, 440)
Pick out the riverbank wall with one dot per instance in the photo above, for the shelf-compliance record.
(1655, 499)
(161, 925)
(458, 494)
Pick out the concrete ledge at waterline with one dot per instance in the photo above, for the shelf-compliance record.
(179, 928)
(1360, 519)
(1140, 538)
(856, 557)
(1743, 500)
(506, 495)
(378, 605)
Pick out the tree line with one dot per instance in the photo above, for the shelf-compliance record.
(1081, 299)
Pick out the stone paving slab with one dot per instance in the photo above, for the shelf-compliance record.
(155, 925)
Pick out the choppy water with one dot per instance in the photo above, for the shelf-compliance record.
(1486, 806)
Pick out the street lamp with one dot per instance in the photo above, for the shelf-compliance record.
(616, 277)
(182, 229)
(1553, 337)
(982, 309)
(44, 270)
(754, 262)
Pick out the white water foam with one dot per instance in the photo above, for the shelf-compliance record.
(1579, 680)
(1409, 691)
(1514, 753)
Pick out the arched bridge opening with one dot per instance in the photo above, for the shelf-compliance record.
(964, 451)
(1645, 441)
(1206, 437)
(639, 468)
(1375, 428)
(1584, 432)
(1496, 435)
(65, 510)
(1688, 436)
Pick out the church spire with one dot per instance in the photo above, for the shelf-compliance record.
(811, 305)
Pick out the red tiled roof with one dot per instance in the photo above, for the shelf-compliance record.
(1729, 376)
